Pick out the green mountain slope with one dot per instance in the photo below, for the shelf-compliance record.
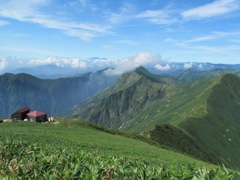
(55, 97)
(200, 118)
(142, 101)
(219, 129)
(207, 110)
(121, 102)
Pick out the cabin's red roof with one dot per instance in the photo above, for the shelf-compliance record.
(24, 110)
(36, 113)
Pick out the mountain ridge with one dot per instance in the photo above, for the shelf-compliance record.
(181, 105)
(123, 90)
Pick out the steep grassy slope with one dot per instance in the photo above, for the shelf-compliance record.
(207, 111)
(219, 129)
(200, 118)
(180, 101)
(55, 97)
(121, 102)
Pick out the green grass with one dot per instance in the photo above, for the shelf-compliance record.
(72, 149)
(24, 160)
(175, 138)
(81, 136)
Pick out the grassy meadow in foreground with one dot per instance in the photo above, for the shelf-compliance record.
(75, 150)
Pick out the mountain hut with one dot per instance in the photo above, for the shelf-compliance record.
(37, 116)
(20, 114)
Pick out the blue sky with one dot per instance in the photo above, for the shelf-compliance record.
(176, 31)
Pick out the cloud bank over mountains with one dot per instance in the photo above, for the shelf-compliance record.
(130, 63)
(119, 66)
(55, 67)
(61, 62)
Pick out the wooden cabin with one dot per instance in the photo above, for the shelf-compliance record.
(20, 114)
(37, 116)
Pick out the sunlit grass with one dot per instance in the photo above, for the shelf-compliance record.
(75, 150)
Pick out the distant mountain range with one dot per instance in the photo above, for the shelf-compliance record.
(175, 69)
(55, 96)
(53, 71)
(192, 114)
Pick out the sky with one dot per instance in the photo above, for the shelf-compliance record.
(69, 31)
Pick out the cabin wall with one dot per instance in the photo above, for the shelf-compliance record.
(42, 118)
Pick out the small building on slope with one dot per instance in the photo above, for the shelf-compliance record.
(20, 114)
(37, 116)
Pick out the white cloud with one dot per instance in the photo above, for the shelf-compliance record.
(212, 36)
(77, 63)
(61, 62)
(144, 58)
(103, 63)
(82, 34)
(216, 8)
(130, 63)
(157, 16)
(124, 13)
(29, 12)
(3, 63)
(200, 39)
(188, 65)
(128, 12)
(195, 43)
(16, 9)
(162, 67)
